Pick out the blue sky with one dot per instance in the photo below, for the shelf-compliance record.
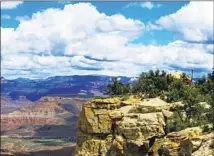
(42, 39)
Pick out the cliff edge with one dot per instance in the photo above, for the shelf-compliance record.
(131, 126)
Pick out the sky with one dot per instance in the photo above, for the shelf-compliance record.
(43, 39)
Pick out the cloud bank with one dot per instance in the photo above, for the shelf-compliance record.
(47, 45)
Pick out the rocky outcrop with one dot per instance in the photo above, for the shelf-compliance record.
(139, 131)
(180, 143)
(207, 147)
(138, 123)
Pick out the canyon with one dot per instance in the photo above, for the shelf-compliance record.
(77, 122)
(43, 127)
(83, 127)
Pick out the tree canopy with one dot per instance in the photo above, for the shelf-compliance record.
(158, 83)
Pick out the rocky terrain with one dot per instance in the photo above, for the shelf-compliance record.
(141, 130)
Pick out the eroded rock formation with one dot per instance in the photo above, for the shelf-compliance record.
(140, 129)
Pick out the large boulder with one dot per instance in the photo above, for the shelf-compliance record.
(94, 121)
(104, 103)
(207, 147)
(150, 105)
(138, 123)
(180, 143)
(132, 126)
(138, 128)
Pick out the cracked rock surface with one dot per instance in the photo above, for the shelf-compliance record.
(139, 131)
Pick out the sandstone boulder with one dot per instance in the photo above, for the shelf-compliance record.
(140, 123)
(94, 121)
(137, 128)
(116, 114)
(180, 143)
(150, 105)
(107, 103)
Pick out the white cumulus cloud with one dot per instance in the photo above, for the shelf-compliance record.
(86, 41)
(193, 22)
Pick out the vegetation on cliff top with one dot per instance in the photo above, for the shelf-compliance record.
(198, 99)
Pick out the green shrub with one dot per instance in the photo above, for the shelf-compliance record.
(115, 87)
(176, 123)
(152, 83)
(211, 114)
(207, 128)
(180, 121)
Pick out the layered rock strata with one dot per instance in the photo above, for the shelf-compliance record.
(132, 126)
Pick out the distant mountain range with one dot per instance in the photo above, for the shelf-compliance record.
(86, 85)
